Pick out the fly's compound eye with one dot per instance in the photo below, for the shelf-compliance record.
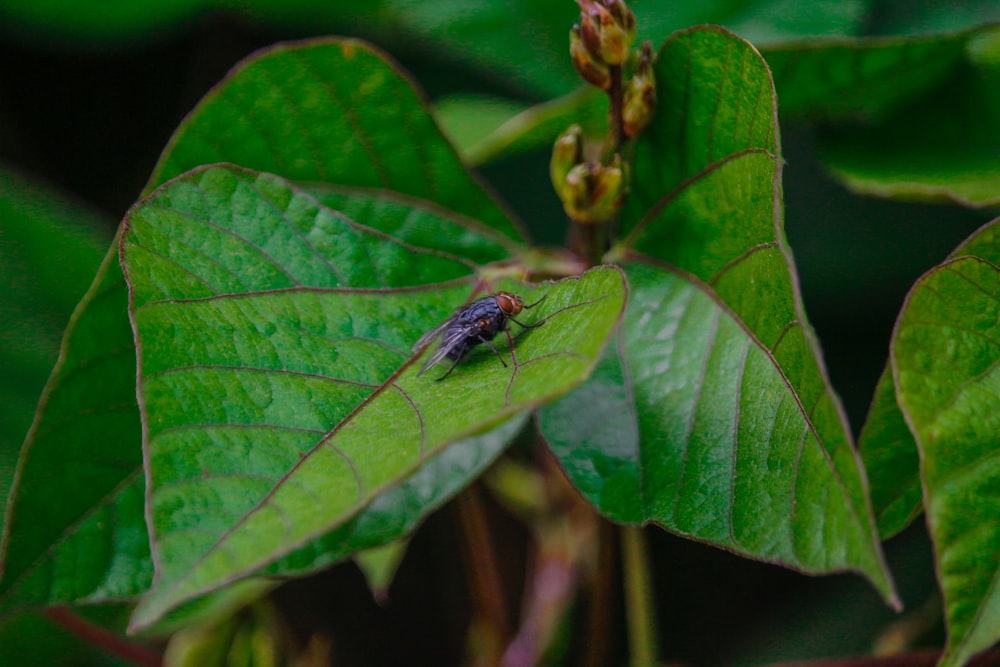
(510, 304)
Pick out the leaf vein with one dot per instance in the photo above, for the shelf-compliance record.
(689, 427)
(254, 369)
(737, 413)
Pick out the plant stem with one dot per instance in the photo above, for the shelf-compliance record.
(616, 99)
(488, 597)
(593, 240)
(600, 604)
(103, 639)
(638, 598)
(595, 237)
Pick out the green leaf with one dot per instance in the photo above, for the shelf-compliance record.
(887, 445)
(908, 118)
(396, 512)
(493, 35)
(30, 638)
(890, 457)
(418, 222)
(941, 147)
(48, 248)
(859, 79)
(467, 119)
(255, 116)
(534, 128)
(399, 509)
(479, 34)
(716, 106)
(235, 295)
(76, 531)
(704, 436)
(212, 608)
(379, 565)
(945, 360)
(331, 111)
(720, 423)
(936, 16)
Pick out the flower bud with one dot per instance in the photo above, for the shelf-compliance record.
(566, 154)
(592, 193)
(623, 16)
(592, 70)
(639, 103)
(607, 29)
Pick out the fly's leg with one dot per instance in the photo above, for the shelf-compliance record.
(482, 340)
(454, 363)
(526, 326)
(530, 326)
(490, 345)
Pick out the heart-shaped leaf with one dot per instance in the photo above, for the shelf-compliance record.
(397, 511)
(316, 407)
(719, 423)
(704, 435)
(887, 444)
(93, 504)
(945, 360)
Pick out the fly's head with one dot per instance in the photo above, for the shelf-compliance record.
(510, 304)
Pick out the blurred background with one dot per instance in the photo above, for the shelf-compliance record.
(90, 93)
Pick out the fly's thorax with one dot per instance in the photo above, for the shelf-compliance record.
(510, 304)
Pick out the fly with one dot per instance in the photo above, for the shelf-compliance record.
(471, 325)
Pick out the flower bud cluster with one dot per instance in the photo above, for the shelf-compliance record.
(640, 94)
(591, 192)
(607, 29)
(602, 40)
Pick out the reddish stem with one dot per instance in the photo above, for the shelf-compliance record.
(483, 570)
(109, 642)
(616, 99)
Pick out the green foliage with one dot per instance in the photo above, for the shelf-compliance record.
(238, 400)
(48, 247)
(935, 147)
(891, 459)
(489, 33)
(937, 396)
(706, 261)
(270, 315)
(945, 354)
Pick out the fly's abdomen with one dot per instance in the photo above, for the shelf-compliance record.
(456, 352)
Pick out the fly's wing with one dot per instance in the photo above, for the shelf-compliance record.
(431, 335)
(454, 337)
